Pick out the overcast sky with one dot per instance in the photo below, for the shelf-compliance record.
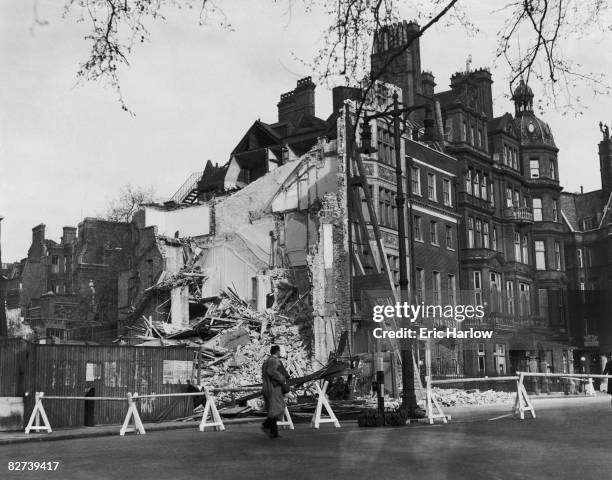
(66, 150)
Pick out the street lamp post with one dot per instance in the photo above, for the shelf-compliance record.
(397, 113)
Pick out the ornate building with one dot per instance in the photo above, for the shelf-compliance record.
(512, 242)
(588, 250)
(507, 195)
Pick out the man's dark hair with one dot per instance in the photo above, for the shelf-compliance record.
(275, 349)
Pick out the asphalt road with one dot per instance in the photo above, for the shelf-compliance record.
(568, 442)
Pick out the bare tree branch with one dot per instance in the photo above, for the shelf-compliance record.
(532, 42)
(125, 205)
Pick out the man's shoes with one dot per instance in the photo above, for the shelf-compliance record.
(267, 431)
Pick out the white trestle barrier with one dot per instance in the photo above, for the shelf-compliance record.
(431, 404)
(323, 401)
(285, 421)
(522, 403)
(211, 409)
(37, 414)
(132, 413)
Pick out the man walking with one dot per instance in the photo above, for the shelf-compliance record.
(274, 378)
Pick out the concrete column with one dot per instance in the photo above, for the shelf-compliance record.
(179, 307)
(263, 289)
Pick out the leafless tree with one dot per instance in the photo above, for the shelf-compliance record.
(532, 42)
(123, 207)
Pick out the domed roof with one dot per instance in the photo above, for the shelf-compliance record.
(533, 131)
(522, 92)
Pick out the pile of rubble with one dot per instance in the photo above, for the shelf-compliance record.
(452, 397)
(233, 340)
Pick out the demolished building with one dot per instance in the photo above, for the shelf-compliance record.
(280, 236)
(68, 290)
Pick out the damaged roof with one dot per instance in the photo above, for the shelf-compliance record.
(300, 136)
(213, 178)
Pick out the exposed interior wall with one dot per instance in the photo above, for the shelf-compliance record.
(192, 221)
(285, 234)
(240, 208)
(172, 253)
(225, 267)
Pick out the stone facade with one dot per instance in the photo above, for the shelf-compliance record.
(588, 251)
(512, 242)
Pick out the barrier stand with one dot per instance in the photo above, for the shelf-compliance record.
(323, 401)
(37, 414)
(589, 389)
(431, 403)
(132, 413)
(211, 408)
(285, 421)
(522, 403)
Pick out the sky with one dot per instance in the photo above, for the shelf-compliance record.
(66, 149)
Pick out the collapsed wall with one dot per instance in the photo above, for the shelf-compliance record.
(279, 242)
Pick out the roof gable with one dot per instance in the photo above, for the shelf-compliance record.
(259, 135)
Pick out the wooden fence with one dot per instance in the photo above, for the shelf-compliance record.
(111, 371)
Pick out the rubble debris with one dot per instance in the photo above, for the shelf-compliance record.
(448, 397)
(232, 338)
(452, 397)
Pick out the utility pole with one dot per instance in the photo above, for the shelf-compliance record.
(408, 346)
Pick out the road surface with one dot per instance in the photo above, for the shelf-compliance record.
(563, 442)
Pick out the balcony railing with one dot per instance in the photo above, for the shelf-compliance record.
(518, 215)
(190, 184)
(474, 322)
(537, 322)
(502, 320)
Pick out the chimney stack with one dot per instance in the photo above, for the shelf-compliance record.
(299, 101)
(429, 84)
(481, 80)
(38, 234)
(69, 236)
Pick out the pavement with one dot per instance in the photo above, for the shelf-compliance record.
(7, 438)
(569, 439)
